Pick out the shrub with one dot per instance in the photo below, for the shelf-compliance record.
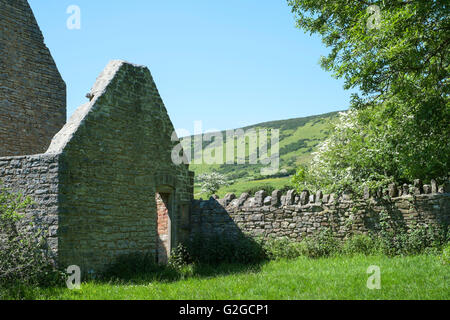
(284, 249)
(360, 244)
(211, 182)
(398, 240)
(24, 258)
(419, 239)
(446, 255)
(299, 179)
(323, 244)
(180, 257)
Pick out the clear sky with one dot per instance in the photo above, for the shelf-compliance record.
(228, 63)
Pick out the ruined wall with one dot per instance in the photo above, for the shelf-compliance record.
(115, 151)
(32, 92)
(299, 216)
(37, 177)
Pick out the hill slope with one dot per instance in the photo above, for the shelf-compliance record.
(299, 138)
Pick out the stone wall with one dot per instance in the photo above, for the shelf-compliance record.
(95, 187)
(32, 92)
(299, 216)
(115, 153)
(37, 177)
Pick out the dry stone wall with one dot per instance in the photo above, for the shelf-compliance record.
(297, 216)
(37, 177)
(32, 92)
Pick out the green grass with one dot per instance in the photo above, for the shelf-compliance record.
(243, 186)
(412, 277)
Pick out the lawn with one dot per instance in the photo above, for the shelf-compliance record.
(412, 277)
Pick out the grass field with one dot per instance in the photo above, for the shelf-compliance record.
(413, 277)
(244, 186)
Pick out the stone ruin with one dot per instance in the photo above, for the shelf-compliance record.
(103, 184)
(297, 216)
(32, 92)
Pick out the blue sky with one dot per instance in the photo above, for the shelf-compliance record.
(228, 63)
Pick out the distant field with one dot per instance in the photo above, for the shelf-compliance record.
(244, 186)
(412, 277)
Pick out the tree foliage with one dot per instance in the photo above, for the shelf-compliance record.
(211, 182)
(396, 53)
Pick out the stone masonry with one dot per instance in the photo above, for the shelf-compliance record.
(94, 180)
(95, 187)
(105, 184)
(32, 92)
(36, 176)
(296, 216)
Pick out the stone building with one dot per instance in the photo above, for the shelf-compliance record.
(104, 183)
(106, 186)
(32, 92)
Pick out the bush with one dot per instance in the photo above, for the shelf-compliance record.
(446, 254)
(360, 244)
(180, 257)
(24, 258)
(419, 240)
(211, 182)
(323, 244)
(284, 249)
(398, 240)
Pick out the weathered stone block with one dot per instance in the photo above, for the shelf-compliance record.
(276, 198)
(304, 197)
(393, 191)
(259, 198)
(434, 186)
(290, 197)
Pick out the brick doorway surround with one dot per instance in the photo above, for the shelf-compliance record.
(164, 226)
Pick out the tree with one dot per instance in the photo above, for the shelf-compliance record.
(397, 54)
(211, 182)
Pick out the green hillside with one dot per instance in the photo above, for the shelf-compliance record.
(299, 138)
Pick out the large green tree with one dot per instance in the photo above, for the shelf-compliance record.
(396, 53)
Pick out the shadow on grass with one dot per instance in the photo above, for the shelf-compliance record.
(167, 274)
(155, 273)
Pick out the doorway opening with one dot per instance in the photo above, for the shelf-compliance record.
(163, 234)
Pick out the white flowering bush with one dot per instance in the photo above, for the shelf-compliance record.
(344, 161)
(211, 182)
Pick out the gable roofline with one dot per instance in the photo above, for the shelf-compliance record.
(63, 137)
